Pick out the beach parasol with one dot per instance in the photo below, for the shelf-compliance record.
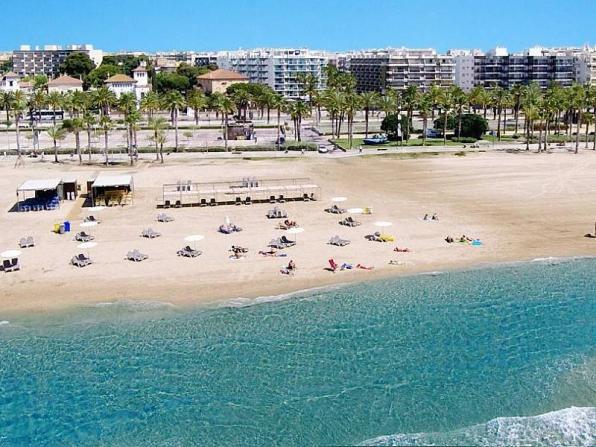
(355, 210)
(382, 223)
(10, 254)
(96, 209)
(87, 246)
(88, 224)
(295, 230)
(339, 199)
(194, 238)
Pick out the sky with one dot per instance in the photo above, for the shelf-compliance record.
(336, 25)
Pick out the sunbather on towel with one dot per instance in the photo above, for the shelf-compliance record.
(363, 267)
(401, 250)
(290, 269)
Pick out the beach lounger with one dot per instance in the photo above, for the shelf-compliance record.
(83, 237)
(163, 217)
(229, 229)
(277, 213)
(375, 237)
(350, 222)
(26, 242)
(335, 210)
(150, 234)
(188, 252)
(136, 256)
(339, 242)
(81, 260)
(92, 219)
(11, 265)
(281, 243)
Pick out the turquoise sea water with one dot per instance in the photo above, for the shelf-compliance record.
(503, 355)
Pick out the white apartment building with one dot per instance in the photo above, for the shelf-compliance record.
(586, 66)
(464, 67)
(10, 82)
(277, 68)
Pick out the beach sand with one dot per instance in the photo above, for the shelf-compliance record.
(521, 205)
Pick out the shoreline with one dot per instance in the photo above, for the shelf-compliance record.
(279, 293)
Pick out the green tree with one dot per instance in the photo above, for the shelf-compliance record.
(78, 65)
(105, 123)
(225, 106)
(370, 100)
(97, 76)
(158, 125)
(197, 101)
(174, 102)
(167, 82)
(151, 103)
(75, 125)
(18, 106)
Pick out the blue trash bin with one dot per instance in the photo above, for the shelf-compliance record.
(67, 226)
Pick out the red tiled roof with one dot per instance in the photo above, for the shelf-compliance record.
(223, 75)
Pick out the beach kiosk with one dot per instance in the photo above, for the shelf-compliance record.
(110, 190)
(38, 195)
(70, 188)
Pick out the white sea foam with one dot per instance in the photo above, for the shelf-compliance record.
(4, 322)
(245, 302)
(134, 305)
(575, 426)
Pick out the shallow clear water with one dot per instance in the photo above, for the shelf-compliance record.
(420, 360)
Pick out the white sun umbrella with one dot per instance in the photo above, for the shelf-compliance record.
(96, 209)
(355, 210)
(295, 230)
(10, 254)
(339, 199)
(87, 246)
(227, 220)
(383, 224)
(88, 224)
(194, 238)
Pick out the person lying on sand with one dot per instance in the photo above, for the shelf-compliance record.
(465, 238)
(287, 224)
(402, 250)
(449, 240)
(271, 252)
(363, 267)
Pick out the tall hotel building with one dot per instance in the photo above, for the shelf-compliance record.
(47, 60)
(380, 70)
(277, 68)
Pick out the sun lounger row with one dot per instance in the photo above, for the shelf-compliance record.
(229, 228)
(27, 242)
(92, 219)
(83, 237)
(136, 256)
(380, 237)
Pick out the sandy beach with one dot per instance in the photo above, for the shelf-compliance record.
(521, 206)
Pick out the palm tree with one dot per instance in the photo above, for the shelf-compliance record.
(132, 121)
(174, 101)
(56, 134)
(75, 125)
(127, 103)
(150, 103)
(591, 101)
(459, 100)
(578, 102)
(588, 119)
(267, 100)
(353, 104)
(499, 98)
(242, 99)
(55, 100)
(6, 100)
(298, 109)
(105, 123)
(18, 106)
(369, 101)
(89, 120)
(410, 98)
(516, 94)
(197, 101)
(435, 93)
(225, 106)
(446, 103)
(157, 125)
(310, 86)
(104, 98)
(279, 103)
(425, 106)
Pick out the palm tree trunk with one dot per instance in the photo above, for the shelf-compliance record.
(278, 129)
(225, 130)
(17, 124)
(55, 151)
(445, 129)
(540, 138)
(78, 146)
(499, 126)
(105, 139)
(366, 122)
(587, 132)
(424, 129)
(546, 133)
(579, 123)
(161, 152)
(89, 142)
(516, 112)
(176, 129)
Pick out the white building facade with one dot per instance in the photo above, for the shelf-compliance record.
(277, 68)
(47, 60)
(138, 85)
(464, 67)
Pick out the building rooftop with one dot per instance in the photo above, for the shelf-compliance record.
(221, 74)
(119, 78)
(65, 80)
